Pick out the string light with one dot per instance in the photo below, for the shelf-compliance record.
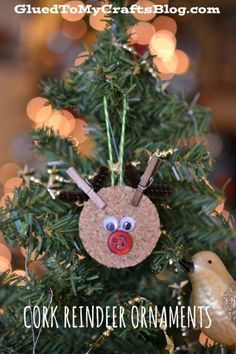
(86, 149)
(38, 109)
(99, 22)
(5, 265)
(74, 30)
(144, 16)
(7, 171)
(183, 62)
(142, 33)
(71, 16)
(80, 132)
(20, 149)
(167, 66)
(11, 183)
(61, 121)
(165, 77)
(58, 43)
(162, 44)
(165, 23)
(5, 252)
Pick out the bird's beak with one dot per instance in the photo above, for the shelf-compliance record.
(187, 265)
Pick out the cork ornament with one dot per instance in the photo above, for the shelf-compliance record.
(119, 226)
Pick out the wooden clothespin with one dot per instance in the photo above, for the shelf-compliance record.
(146, 179)
(86, 188)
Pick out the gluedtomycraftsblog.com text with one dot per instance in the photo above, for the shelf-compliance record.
(116, 316)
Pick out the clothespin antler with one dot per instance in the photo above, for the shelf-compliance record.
(86, 188)
(146, 179)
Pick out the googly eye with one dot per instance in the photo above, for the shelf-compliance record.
(110, 223)
(127, 224)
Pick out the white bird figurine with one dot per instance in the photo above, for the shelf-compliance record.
(213, 286)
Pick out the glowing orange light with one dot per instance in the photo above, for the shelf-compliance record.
(79, 132)
(99, 21)
(38, 109)
(53, 121)
(62, 122)
(165, 23)
(145, 4)
(11, 183)
(4, 264)
(33, 255)
(8, 170)
(165, 77)
(72, 15)
(142, 33)
(74, 30)
(5, 252)
(163, 44)
(183, 62)
(67, 123)
(86, 149)
(82, 57)
(167, 66)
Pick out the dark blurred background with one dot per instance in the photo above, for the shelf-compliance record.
(33, 47)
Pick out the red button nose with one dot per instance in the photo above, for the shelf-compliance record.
(120, 242)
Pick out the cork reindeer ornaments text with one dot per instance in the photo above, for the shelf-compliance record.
(119, 226)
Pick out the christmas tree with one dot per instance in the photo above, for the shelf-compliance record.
(131, 115)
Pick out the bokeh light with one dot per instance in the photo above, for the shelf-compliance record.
(62, 122)
(67, 123)
(74, 30)
(38, 109)
(86, 149)
(11, 183)
(165, 23)
(21, 149)
(7, 171)
(163, 44)
(165, 77)
(99, 21)
(183, 62)
(144, 16)
(167, 66)
(5, 252)
(4, 264)
(73, 17)
(80, 131)
(58, 43)
(142, 33)
(82, 57)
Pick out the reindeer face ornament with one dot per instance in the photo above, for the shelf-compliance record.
(119, 226)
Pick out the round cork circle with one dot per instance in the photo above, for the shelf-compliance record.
(95, 237)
